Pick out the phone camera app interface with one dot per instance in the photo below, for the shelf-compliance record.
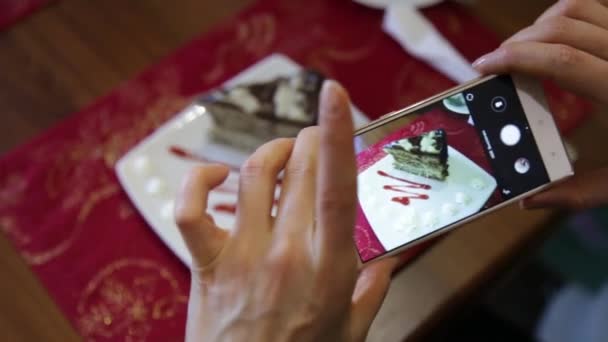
(441, 164)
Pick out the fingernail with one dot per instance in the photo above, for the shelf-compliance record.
(326, 97)
(480, 61)
(528, 204)
(523, 205)
(329, 86)
(333, 99)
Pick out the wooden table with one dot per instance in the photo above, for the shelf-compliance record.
(63, 57)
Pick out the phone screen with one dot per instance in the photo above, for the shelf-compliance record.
(441, 164)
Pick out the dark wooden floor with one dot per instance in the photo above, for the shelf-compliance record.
(65, 56)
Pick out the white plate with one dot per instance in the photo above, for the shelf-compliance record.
(151, 175)
(464, 192)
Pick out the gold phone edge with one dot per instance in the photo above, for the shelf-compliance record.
(421, 104)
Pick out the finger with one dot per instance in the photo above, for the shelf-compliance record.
(202, 237)
(296, 204)
(370, 290)
(337, 183)
(257, 183)
(571, 32)
(590, 11)
(571, 68)
(584, 191)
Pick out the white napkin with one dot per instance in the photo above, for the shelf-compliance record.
(420, 38)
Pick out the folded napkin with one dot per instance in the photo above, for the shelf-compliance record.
(417, 35)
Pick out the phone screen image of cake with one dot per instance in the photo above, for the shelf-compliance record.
(431, 168)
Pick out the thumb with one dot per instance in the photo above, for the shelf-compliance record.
(587, 190)
(371, 288)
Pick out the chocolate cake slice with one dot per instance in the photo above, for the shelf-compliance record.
(424, 155)
(248, 115)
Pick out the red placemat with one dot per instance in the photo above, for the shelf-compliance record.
(13, 10)
(62, 207)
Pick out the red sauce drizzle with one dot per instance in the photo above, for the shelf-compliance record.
(412, 185)
(402, 200)
(228, 208)
(405, 200)
(225, 208)
(185, 154)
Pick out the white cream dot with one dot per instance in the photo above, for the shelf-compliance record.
(449, 209)
(141, 165)
(407, 221)
(155, 186)
(429, 219)
(462, 198)
(166, 211)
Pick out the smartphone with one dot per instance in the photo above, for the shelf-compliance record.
(445, 161)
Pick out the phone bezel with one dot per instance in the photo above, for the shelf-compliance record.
(542, 125)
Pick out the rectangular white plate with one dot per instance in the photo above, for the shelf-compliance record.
(151, 175)
(464, 192)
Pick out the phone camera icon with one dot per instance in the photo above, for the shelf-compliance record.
(522, 165)
(470, 97)
(499, 104)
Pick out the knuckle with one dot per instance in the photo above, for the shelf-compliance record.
(197, 172)
(556, 27)
(281, 261)
(335, 106)
(336, 204)
(579, 200)
(284, 141)
(279, 269)
(279, 264)
(566, 56)
(193, 176)
(301, 167)
(263, 161)
(309, 134)
(302, 163)
(508, 54)
(334, 113)
(253, 167)
(571, 7)
(578, 203)
(273, 145)
(185, 217)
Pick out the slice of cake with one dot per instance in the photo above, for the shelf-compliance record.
(248, 115)
(424, 155)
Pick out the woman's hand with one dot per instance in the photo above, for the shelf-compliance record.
(293, 276)
(569, 45)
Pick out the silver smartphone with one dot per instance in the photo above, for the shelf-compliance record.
(445, 161)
